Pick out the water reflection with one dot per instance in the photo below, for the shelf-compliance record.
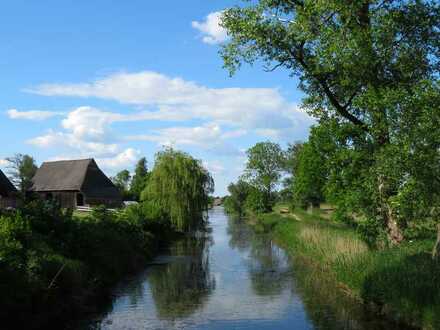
(231, 279)
(268, 265)
(183, 285)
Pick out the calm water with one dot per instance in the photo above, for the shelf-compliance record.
(230, 278)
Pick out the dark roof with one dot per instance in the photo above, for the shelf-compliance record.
(6, 187)
(74, 175)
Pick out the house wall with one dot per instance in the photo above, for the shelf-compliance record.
(67, 199)
(6, 202)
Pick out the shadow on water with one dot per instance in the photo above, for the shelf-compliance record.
(231, 279)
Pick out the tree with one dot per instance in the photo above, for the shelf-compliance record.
(238, 193)
(263, 169)
(22, 169)
(180, 186)
(363, 63)
(122, 181)
(140, 179)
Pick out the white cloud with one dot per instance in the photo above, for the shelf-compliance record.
(208, 137)
(214, 167)
(86, 148)
(119, 161)
(35, 115)
(3, 163)
(177, 99)
(212, 32)
(123, 160)
(89, 123)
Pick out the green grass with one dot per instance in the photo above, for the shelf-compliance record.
(403, 281)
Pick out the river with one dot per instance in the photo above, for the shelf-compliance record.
(230, 278)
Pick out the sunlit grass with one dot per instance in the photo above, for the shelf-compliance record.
(402, 281)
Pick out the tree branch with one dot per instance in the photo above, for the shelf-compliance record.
(342, 110)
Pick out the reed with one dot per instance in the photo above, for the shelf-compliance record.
(402, 282)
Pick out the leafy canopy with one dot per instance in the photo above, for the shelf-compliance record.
(180, 187)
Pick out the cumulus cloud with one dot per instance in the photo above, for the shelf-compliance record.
(69, 140)
(211, 30)
(35, 115)
(208, 137)
(125, 159)
(178, 99)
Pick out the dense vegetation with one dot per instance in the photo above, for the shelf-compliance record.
(179, 189)
(54, 261)
(370, 71)
(402, 282)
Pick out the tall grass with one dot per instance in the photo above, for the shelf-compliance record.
(402, 282)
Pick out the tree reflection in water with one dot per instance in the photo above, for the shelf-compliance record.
(181, 287)
(267, 264)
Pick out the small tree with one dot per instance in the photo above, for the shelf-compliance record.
(238, 193)
(140, 179)
(263, 170)
(122, 181)
(22, 169)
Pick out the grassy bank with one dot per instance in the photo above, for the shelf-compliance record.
(401, 282)
(54, 265)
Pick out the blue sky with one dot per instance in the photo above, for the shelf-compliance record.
(118, 80)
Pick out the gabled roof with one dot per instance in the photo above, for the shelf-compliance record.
(74, 175)
(6, 187)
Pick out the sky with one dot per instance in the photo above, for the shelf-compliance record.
(120, 80)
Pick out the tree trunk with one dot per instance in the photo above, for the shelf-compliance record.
(395, 234)
(436, 250)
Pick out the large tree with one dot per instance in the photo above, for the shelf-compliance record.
(180, 187)
(369, 64)
(263, 170)
(21, 169)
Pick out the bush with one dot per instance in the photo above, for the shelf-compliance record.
(51, 261)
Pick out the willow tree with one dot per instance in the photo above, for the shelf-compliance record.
(370, 64)
(180, 187)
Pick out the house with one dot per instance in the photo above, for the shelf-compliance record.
(8, 193)
(75, 183)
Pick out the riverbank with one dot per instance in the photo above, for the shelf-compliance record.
(402, 283)
(56, 266)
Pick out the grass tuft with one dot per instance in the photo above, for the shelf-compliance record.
(403, 281)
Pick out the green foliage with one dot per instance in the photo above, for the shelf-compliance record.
(179, 187)
(22, 169)
(140, 179)
(403, 279)
(258, 201)
(370, 69)
(263, 172)
(309, 178)
(122, 181)
(50, 261)
(238, 194)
